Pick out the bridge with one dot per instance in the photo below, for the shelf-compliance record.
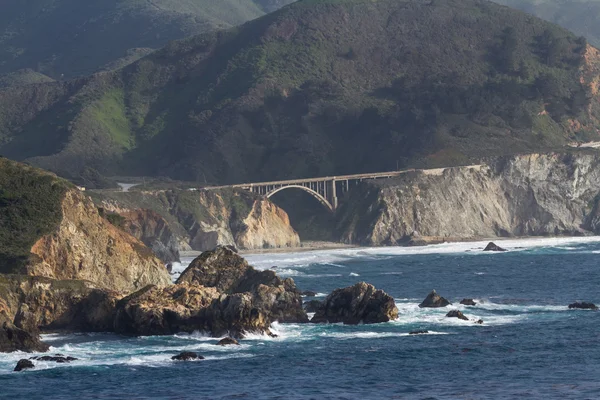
(325, 189)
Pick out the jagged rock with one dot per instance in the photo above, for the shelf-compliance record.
(227, 341)
(493, 247)
(187, 356)
(418, 332)
(312, 306)
(16, 339)
(356, 304)
(583, 306)
(229, 273)
(434, 300)
(24, 364)
(309, 293)
(468, 302)
(457, 314)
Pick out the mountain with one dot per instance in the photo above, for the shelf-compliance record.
(67, 38)
(579, 16)
(319, 88)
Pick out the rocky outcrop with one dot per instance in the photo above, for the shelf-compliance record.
(583, 306)
(491, 246)
(526, 195)
(202, 220)
(24, 364)
(434, 300)
(154, 231)
(218, 293)
(85, 246)
(189, 308)
(361, 303)
(312, 306)
(187, 356)
(30, 305)
(457, 314)
(468, 302)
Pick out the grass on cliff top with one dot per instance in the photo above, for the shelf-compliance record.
(30, 207)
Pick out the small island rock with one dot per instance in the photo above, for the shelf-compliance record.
(418, 332)
(583, 306)
(468, 302)
(434, 300)
(309, 293)
(24, 364)
(187, 356)
(493, 247)
(457, 314)
(356, 304)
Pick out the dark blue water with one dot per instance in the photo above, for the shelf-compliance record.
(530, 346)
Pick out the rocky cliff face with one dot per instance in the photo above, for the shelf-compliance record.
(87, 247)
(154, 231)
(537, 194)
(202, 220)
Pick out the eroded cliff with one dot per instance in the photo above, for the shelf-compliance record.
(529, 195)
(202, 220)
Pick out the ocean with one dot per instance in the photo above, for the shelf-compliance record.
(529, 346)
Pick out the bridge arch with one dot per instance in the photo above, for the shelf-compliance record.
(316, 195)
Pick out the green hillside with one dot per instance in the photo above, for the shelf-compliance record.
(319, 88)
(579, 16)
(66, 38)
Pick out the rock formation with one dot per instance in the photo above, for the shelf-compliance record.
(491, 246)
(525, 195)
(468, 302)
(218, 293)
(187, 356)
(456, 314)
(583, 306)
(434, 300)
(24, 364)
(361, 303)
(227, 341)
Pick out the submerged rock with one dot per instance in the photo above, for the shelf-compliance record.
(361, 303)
(468, 302)
(309, 293)
(57, 359)
(479, 321)
(493, 247)
(187, 356)
(227, 341)
(23, 364)
(418, 332)
(583, 306)
(434, 300)
(457, 314)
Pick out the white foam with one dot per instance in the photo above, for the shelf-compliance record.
(354, 274)
(303, 259)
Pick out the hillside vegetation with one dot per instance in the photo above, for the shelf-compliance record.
(319, 88)
(66, 38)
(30, 207)
(579, 16)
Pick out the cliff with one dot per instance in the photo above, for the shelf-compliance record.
(529, 195)
(50, 229)
(202, 220)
